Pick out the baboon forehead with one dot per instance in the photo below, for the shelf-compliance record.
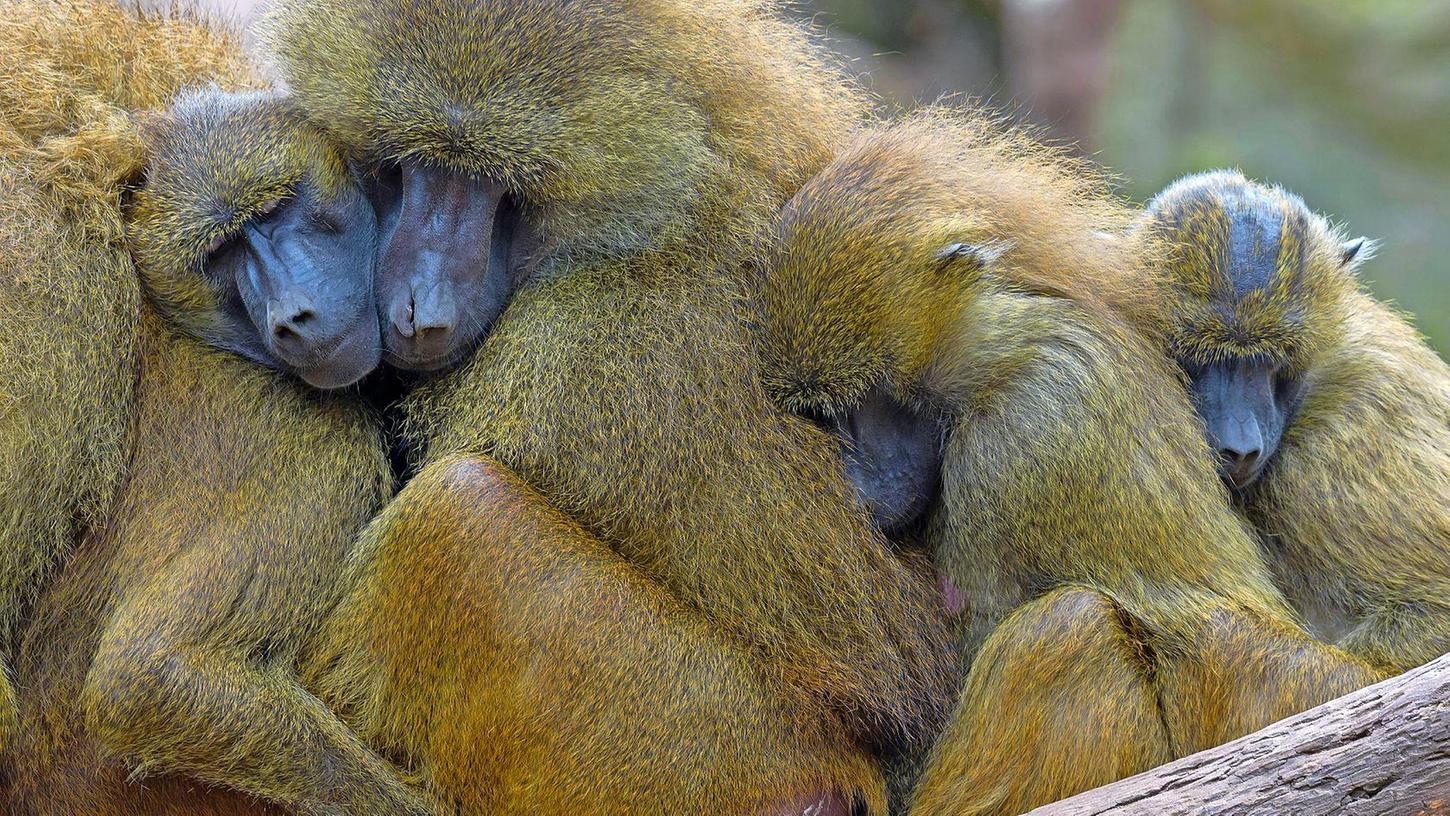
(1255, 243)
(1237, 242)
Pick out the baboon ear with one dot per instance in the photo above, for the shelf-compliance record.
(972, 257)
(1356, 251)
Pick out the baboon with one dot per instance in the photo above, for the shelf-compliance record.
(167, 647)
(1329, 414)
(948, 297)
(68, 293)
(241, 187)
(63, 405)
(637, 147)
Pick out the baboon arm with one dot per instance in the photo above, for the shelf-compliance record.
(228, 546)
(1072, 691)
(171, 689)
(1382, 750)
(1242, 670)
(1082, 422)
(741, 512)
(528, 668)
(1058, 700)
(1406, 634)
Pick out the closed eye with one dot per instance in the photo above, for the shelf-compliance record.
(324, 221)
(820, 419)
(1286, 386)
(219, 245)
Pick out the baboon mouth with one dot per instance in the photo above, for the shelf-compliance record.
(1240, 480)
(345, 360)
(425, 362)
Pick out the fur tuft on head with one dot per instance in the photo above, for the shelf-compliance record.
(216, 159)
(1250, 269)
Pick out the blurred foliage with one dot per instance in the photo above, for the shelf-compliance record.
(1346, 102)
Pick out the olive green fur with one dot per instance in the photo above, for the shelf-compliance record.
(164, 655)
(1058, 404)
(637, 123)
(68, 293)
(651, 141)
(1275, 322)
(215, 160)
(970, 271)
(161, 657)
(1355, 507)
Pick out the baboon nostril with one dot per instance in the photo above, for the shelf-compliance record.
(1231, 456)
(293, 327)
(1239, 457)
(432, 318)
(1240, 464)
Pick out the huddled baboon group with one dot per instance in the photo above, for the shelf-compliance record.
(537, 406)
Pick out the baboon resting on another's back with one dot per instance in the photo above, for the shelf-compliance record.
(951, 300)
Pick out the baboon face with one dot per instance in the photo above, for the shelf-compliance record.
(856, 286)
(283, 308)
(893, 456)
(1254, 275)
(1244, 402)
(252, 233)
(454, 248)
(510, 139)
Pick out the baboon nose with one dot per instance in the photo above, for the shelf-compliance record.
(292, 320)
(1240, 445)
(426, 318)
(429, 318)
(1240, 458)
(1240, 453)
(1240, 464)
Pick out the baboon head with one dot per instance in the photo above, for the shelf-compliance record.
(876, 271)
(1254, 280)
(516, 139)
(251, 233)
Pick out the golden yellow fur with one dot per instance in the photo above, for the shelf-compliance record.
(1355, 507)
(865, 238)
(162, 655)
(967, 270)
(68, 294)
(650, 140)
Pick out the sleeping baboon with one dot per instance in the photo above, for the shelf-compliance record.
(68, 293)
(599, 168)
(168, 644)
(950, 301)
(1329, 414)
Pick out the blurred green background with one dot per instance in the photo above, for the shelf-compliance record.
(1346, 102)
